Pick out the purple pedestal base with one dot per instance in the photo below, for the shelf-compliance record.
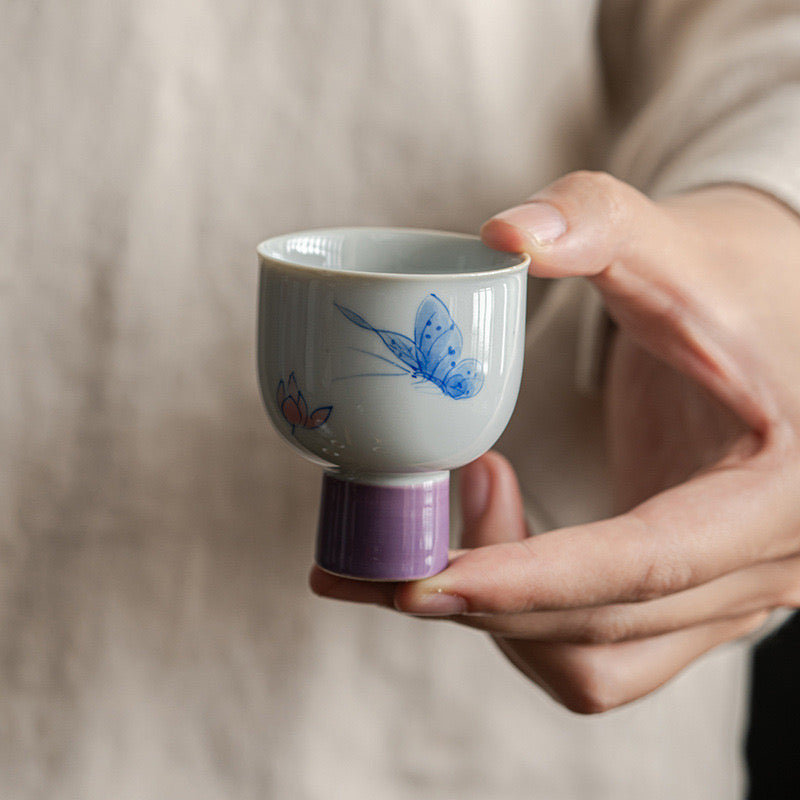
(384, 532)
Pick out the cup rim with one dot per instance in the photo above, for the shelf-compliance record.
(522, 263)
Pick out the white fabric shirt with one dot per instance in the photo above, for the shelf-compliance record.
(157, 637)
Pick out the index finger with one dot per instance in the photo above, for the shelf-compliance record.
(719, 521)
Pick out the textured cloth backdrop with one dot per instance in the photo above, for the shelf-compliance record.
(157, 636)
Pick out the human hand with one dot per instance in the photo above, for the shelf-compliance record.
(703, 414)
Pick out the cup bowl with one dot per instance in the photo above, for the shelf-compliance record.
(389, 357)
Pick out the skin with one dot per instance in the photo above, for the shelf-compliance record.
(702, 398)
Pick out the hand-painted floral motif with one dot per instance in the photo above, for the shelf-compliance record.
(294, 408)
(434, 354)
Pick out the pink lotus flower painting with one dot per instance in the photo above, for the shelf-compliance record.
(294, 408)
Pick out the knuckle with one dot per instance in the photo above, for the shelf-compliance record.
(592, 688)
(608, 193)
(606, 625)
(755, 622)
(590, 179)
(789, 596)
(660, 571)
(659, 579)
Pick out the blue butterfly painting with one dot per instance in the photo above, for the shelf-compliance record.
(434, 354)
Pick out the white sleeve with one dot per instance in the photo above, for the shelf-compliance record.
(703, 92)
(698, 92)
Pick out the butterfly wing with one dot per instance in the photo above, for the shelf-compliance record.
(464, 380)
(398, 344)
(438, 339)
(401, 346)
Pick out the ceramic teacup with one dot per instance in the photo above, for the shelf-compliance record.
(389, 357)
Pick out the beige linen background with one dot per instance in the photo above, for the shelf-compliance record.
(157, 639)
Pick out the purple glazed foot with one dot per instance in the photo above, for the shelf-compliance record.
(388, 531)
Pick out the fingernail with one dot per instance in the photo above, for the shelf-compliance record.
(438, 604)
(474, 486)
(537, 221)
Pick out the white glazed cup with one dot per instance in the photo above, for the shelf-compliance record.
(388, 356)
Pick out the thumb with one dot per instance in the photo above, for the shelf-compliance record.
(493, 513)
(659, 272)
(491, 504)
(583, 224)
